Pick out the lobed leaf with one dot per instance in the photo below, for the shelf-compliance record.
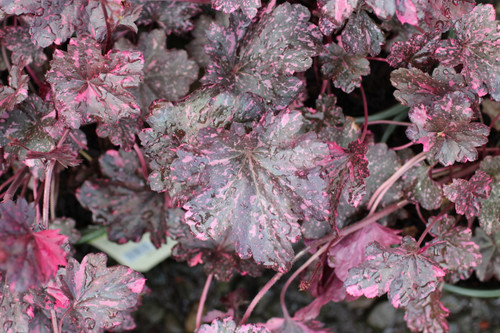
(361, 35)
(489, 217)
(405, 273)
(227, 325)
(334, 13)
(15, 313)
(248, 7)
(422, 188)
(427, 315)
(18, 41)
(489, 248)
(416, 52)
(17, 90)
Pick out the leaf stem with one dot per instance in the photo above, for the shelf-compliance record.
(18, 180)
(472, 292)
(376, 59)
(388, 113)
(53, 319)
(431, 224)
(365, 111)
(390, 122)
(142, 161)
(407, 145)
(203, 299)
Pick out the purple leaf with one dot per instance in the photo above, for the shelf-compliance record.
(468, 194)
(170, 15)
(93, 297)
(122, 132)
(334, 13)
(489, 248)
(18, 41)
(477, 47)
(240, 64)
(446, 131)
(453, 249)
(344, 69)
(489, 218)
(248, 7)
(28, 258)
(416, 52)
(405, 273)
(87, 85)
(427, 314)
(167, 73)
(361, 35)
(124, 204)
(17, 90)
(268, 174)
(227, 325)
(15, 313)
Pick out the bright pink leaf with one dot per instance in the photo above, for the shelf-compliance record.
(405, 273)
(28, 258)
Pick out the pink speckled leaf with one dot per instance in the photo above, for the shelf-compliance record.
(261, 59)
(170, 15)
(477, 47)
(123, 203)
(18, 41)
(89, 86)
(344, 69)
(446, 131)
(417, 51)
(15, 314)
(167, 73)
(334, 13)
(416, 87)
(28, 257)
(248, 7)
(489, 247)
(409, 11)
(489, 218)
(427, 315)
(350, 251)
(404, 273)
(384, 9)
(468, 194)
(361, 35)
(122, 132)
(453, 248)
(255, 187)
(18, 7)
(227, 325)
(93, 297)
(422, 188)
(17, 90)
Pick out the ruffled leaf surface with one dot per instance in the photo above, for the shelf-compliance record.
(489, 248)
(248, 7)
(416, 52)
(422, 188)
(427, 315)
(361, 35)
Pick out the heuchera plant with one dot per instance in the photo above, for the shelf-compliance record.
(228, 138)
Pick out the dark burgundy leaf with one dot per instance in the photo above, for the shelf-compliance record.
(405, 273)
(344, 69)
(416, 87)
(417, 51)
(422, 188)
(88, 86)
(477, 47)
(268, 173)
(361, 35)
(248, 7)
(468, 194)
(453, 249)
(167, 73)
(172, 16)
(28, 258)
(261, 59)
(427, 315)
(489, 248)
(446, 131)
(124, 203)
(489, 218)
(17, 90)
(334, 13)
(15, 314)
(227, 325)
(18, 41)
(93, 297)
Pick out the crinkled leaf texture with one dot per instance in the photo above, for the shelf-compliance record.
(344, 69)
(18, 40)
(28, 258)
(248, 7)
(427, 315)
(334, 13)
(171, 15)
(489, 246)
(416, 52)
(468, 194)
(477, 48)
(446, 131)
(227, 325)
(167, 73)
(261, 58)
(422, 188)
(88, 86)
(93, 297)
(453, 249)
(255, 188)
(405, 273)
(489, 218)
(123, 202)
(361, 35)
(14, 312)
